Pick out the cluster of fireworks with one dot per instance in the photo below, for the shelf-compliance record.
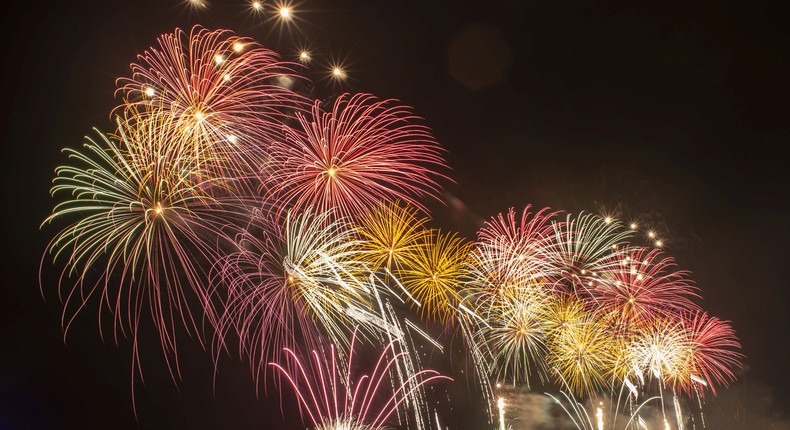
(229, 207)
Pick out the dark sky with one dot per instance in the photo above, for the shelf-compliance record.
(671, 112)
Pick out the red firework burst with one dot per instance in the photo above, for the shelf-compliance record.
(349, 159)
(229, 94)
(644, 286)
(713, 351)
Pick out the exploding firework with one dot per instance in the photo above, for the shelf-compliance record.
(224, 91)
(509, 253)
(583, 354)
(581, 250)
(389, 233)
(209, 123)
(641, 287)
(349, 159)
(661, 351)
(290, 280)
(433, 273)
(332, 399)
(516, 333)
(526, 237)
(141, 234)
(712, 352)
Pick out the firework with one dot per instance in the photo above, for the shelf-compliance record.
(516, 333)
(583, 354)
(141, 233)
(433, 273)
(564, 315)
(508, 253)
(582, 248)
(330, 398)
(290, 279)
(389, 233)
(349, 159)
(224, 91)
(661, 350)
(641, 287)
(712, 352)
(525, 236)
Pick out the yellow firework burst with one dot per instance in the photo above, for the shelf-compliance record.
(565, 314)
(433, 272)
(390, 232)
(582, 354)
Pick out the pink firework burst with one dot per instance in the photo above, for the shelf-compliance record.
(331, 397)
(361, 152)
(291, 279)
(713, 351)
(643, 286)
(229, 94)
(509, 250)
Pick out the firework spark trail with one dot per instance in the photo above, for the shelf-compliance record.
(416, 406)
(331, 400)
(351, 158)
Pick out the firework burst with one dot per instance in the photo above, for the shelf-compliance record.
(644, 287)
(390, 232)
(581, 250)
(142, 231)
(583, 354)
(290, 280)
(224, 91)
(516, 333)
(434, 271)
(361, 152)
(712, 352)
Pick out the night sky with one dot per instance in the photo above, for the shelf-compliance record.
(672, 113)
